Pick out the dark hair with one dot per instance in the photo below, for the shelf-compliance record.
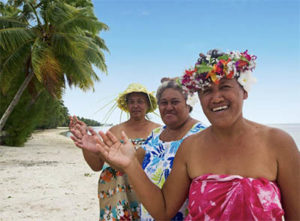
(170, 83)
(146, 96)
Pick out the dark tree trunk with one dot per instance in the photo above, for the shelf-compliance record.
(15, 101)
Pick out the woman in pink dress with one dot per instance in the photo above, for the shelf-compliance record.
(235, 169)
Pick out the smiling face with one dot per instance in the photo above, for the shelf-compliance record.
(223, 103)
(138, 104)
(173, 108)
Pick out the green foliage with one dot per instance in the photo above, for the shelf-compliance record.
(58, 42)
(55, 115)
(89, 122)
(224, 57)
(39, 112)
(36, 109)
(24, 117)
(203, 68)
(79, 3)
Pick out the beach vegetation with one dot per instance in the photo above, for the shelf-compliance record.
(46, 45)
(90, 122)
(33, 111)
(55, 115)
(25, 117)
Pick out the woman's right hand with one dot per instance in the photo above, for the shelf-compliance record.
(120, 154)
(87, 142)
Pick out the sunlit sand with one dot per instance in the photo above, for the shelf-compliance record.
(47, 179)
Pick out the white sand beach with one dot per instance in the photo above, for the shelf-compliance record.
(47, 179)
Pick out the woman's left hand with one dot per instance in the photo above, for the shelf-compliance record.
(120, 154)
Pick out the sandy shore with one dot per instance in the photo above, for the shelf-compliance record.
(47, 179)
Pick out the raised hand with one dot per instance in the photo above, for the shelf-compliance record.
(81, 137)
(77, 127)
(120, 154)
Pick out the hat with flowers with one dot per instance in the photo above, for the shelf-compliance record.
(215, 65)
(136, 88)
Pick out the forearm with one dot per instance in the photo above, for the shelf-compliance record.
(150, 195)
(93, 160)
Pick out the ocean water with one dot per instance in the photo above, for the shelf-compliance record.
(291, 129)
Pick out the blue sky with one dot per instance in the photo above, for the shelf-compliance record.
(151, 39)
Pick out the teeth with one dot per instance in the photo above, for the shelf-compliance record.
(219, 108)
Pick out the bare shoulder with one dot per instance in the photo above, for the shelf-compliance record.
(194, 137)
(278, 139)
(191, 147)
(193, 141)
(117, 129)
(114, 128)
(272, 134)
(154, 125)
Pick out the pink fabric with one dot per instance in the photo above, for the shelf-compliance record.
(231, 197)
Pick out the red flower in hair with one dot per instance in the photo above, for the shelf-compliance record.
(190, 72)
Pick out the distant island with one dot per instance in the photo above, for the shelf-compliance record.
(91, 122)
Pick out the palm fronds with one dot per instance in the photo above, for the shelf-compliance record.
(55, 41)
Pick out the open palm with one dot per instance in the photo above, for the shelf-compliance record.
(89, 142)
(81, 137)
(120, 154)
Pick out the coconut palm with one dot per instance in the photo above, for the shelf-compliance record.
(50, 42)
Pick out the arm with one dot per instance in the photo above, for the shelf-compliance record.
(93, 160)
(288, 176)
(163, 203)
(140, 154)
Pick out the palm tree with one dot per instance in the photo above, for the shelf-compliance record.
(51, 42)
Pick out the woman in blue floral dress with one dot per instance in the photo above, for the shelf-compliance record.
(158, 162)
(163, 143)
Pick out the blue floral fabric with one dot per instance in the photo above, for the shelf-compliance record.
(158, 163)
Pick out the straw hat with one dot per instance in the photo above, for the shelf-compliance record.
(136, 88)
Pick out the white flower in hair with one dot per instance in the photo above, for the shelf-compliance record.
(235, 55)
(246, 80)
(231, 67)
(192, 99)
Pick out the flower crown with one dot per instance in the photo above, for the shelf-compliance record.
(214, 66)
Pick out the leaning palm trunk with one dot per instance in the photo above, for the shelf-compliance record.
(15, 101)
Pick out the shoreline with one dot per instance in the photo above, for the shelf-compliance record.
(47, 179)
